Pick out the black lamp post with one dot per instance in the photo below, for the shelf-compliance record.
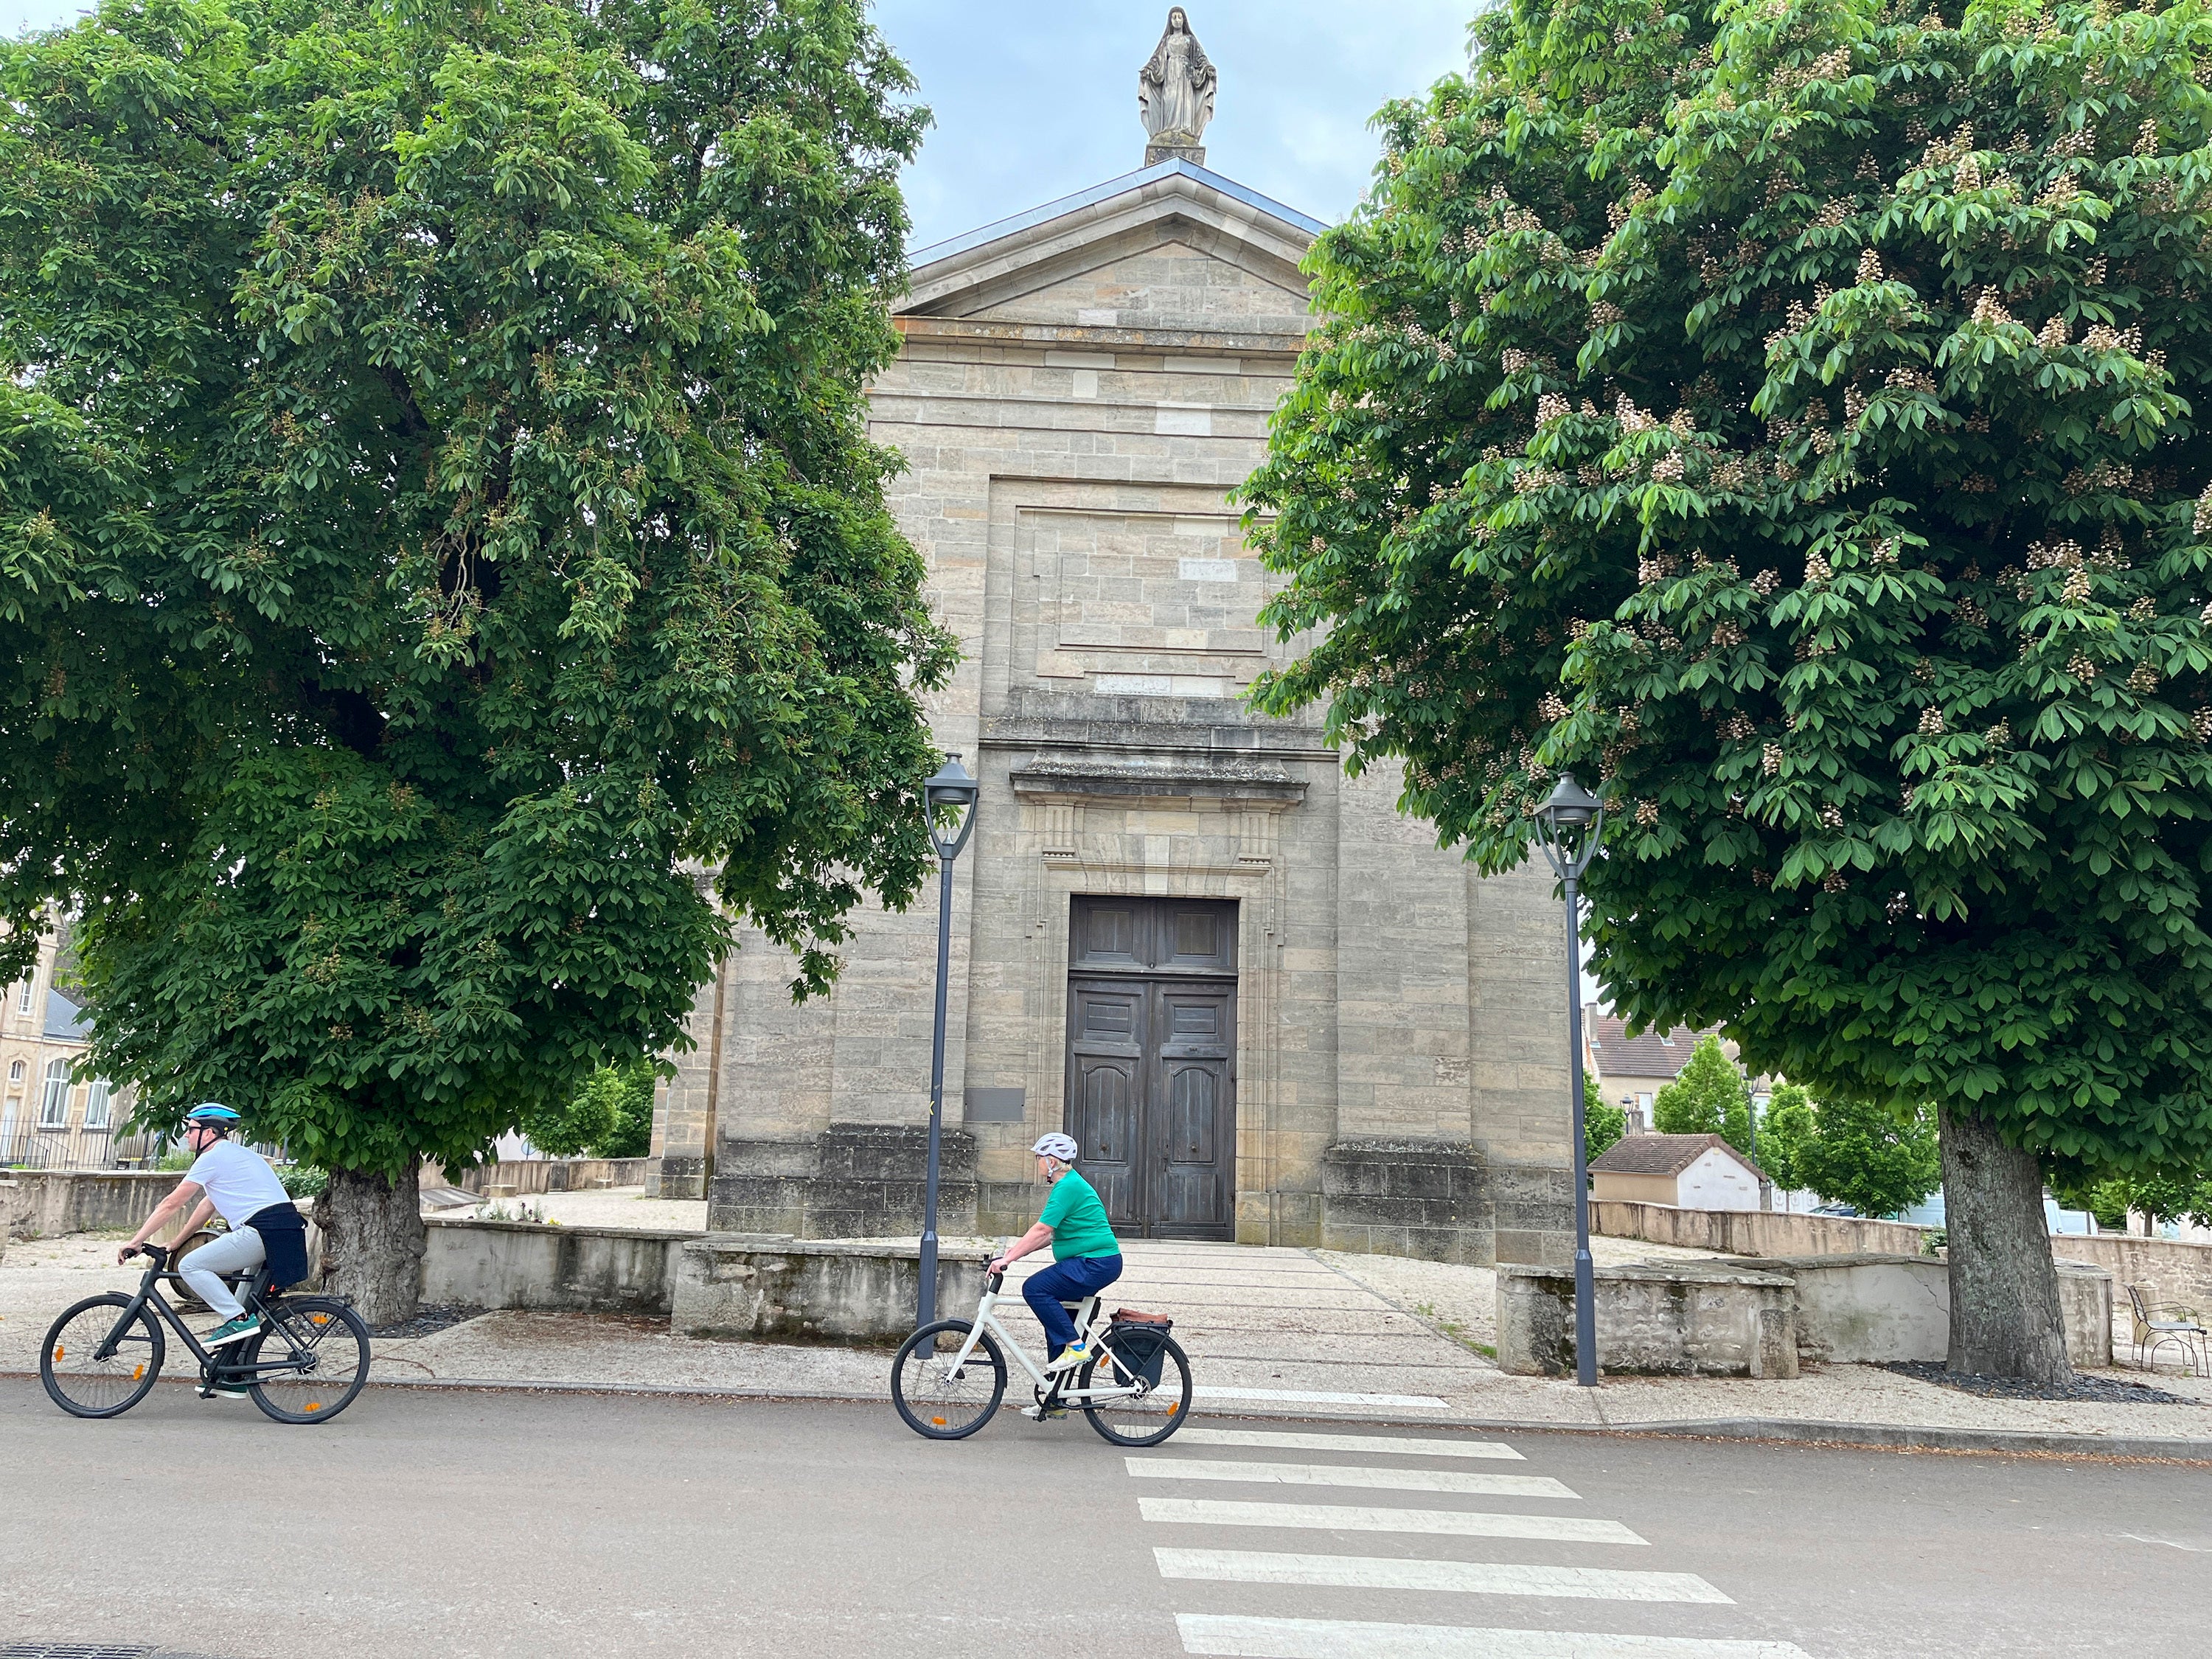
(1571, 825)
(951, 792)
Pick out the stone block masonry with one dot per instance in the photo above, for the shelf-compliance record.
(788, 1290)
(1674, 1319)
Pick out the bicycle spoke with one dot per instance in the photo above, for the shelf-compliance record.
(95, 1363)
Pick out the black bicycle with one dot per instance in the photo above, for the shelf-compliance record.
(305, 1365)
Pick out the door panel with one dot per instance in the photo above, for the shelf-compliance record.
(1151, 1036)
(1105, 1065)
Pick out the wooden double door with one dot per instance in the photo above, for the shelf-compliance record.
(1151, 1061)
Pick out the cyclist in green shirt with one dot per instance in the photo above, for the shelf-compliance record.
(1086, 1256)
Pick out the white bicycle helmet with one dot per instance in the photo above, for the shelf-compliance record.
(1062, 1147)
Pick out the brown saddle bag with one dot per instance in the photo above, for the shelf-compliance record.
(1131, 1316)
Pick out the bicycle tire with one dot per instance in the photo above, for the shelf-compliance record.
(1167, 1405)
(320, 1391)
(945, 1417)
(137, 1363)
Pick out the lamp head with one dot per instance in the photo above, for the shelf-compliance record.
(1570, 823)
(951, 792)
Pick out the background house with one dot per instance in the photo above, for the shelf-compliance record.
(1691, 1172)
(1631, 1070)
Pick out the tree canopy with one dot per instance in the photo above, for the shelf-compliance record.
(1708, 1097)
(436, 519)
(1602, 1124)
(1786, 412)
(1877, 1160)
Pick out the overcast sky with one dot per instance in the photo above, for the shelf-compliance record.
(1035, 101)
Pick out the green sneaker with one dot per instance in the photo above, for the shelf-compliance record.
(236, 1330)
(225, 1391)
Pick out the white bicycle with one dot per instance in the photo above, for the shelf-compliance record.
(949, 1376)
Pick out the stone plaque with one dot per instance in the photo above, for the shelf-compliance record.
(996, 1105)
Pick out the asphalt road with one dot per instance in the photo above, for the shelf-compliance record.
(461, 1524)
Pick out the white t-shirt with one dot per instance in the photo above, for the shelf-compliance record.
(239, 1180)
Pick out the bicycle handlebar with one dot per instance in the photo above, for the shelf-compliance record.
(160, 1253)
(993, 1281)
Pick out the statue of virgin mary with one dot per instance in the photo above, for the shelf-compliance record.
(1174, 90)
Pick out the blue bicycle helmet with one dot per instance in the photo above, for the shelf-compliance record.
(214, 1115)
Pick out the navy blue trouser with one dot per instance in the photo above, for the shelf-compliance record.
(1070, 1281)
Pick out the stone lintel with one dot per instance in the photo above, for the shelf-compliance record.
(1082, 778)
(1067, 336)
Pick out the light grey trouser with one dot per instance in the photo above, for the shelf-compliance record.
(238, 1251)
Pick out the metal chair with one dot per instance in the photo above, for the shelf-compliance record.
(2152, 1333)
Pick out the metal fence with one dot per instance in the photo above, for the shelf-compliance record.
(27, 1146)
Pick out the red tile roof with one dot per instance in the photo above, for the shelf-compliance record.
(1665, 1155)
(1651, 1054)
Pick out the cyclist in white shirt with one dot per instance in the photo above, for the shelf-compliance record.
(241, 1187)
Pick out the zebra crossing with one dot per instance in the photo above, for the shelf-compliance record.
(1591, 1573)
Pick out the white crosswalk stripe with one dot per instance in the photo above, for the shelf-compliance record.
(1473, 1577)
(1355, 1517)
(1373, 1445)
(1333, 1474)
(1236, 1637)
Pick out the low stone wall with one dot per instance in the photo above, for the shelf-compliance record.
(1872, 1308)
(1753, 1232)
(1670, 1319)
(549, 1269)
(769, 1286)
(527, 1177)
(50, 1202)
(10, 1193)
(2170, 1270)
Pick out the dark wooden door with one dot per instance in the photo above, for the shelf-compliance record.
(1151, 1061)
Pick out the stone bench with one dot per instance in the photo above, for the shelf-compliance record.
(1667, 1319)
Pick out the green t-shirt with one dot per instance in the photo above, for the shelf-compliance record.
(1077, 1220)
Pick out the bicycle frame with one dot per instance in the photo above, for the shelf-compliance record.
(1058, 1384)
(149, 1295)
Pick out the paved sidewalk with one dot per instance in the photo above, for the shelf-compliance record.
(1275, 1331)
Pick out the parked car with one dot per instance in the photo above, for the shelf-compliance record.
(1836, 1209)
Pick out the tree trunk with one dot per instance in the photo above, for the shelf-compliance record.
(2005, 1318)
(373, 1243)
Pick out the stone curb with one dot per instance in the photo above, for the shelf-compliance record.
(1881, 1436)
(1887, 1436)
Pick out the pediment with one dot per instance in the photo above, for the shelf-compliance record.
(1197, 251)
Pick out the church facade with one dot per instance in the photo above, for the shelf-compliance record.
(1266, 1006)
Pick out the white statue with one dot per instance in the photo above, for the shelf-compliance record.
(1174, 90)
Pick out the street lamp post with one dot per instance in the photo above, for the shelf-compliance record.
(951, 791)
(1570, 825)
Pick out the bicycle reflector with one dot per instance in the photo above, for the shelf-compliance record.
(58, 1353)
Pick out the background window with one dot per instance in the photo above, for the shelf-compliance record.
(23, 996)
(53, 1102)
(96, 1104)
(15, 1070)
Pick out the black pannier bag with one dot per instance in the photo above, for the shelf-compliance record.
(1139, 1343)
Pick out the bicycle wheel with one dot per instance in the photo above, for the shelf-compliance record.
(936, 1401)
(83, 1383)
(328, 1346)
(1151, 1417)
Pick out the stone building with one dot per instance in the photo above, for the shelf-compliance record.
(1267, 1007)
(51, 1118)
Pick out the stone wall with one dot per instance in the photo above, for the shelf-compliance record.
(852, 1181)
(1873, 1308)
(1753, 1232)
(1763, 1317)
(548, 1269)
(524, 1177)
(50, 1202)
(783, 1288)
(2169, 1271)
